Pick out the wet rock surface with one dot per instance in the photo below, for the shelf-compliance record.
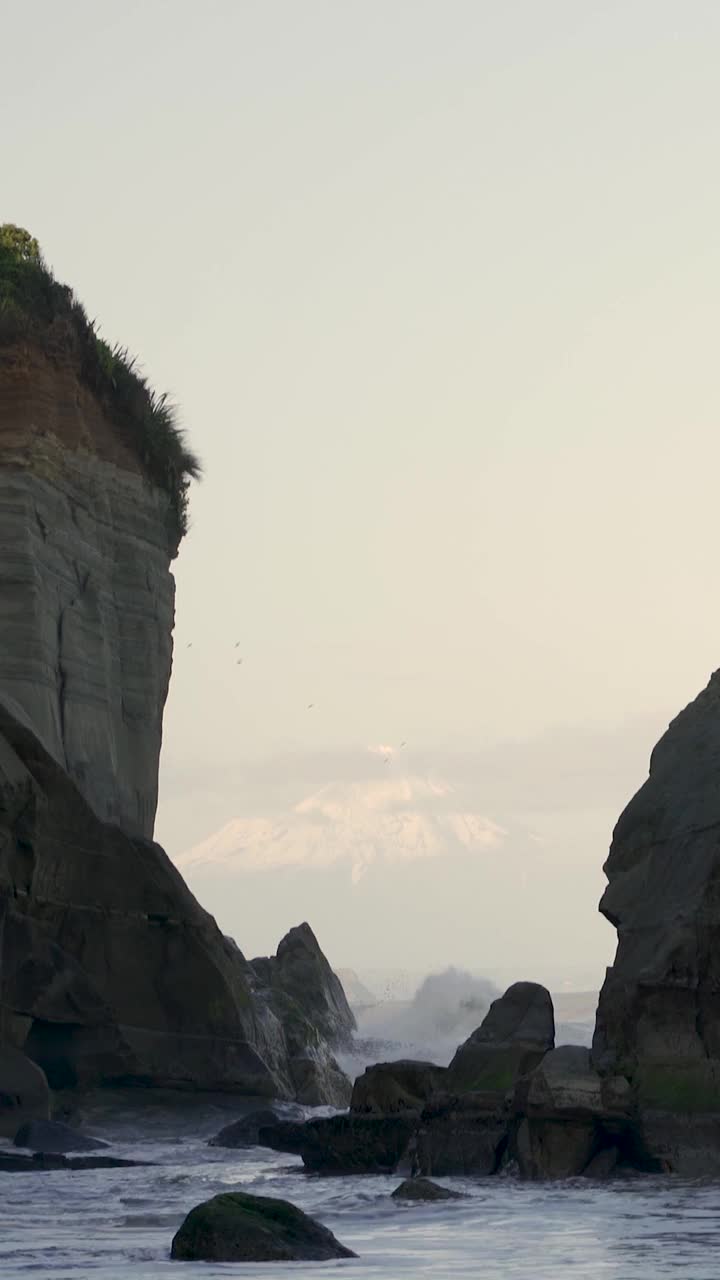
(422, 1189)
(53, 1137)
(235, 1227)
(45, 1162)
(24, 1092)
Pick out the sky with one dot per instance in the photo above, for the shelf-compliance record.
(436, 286)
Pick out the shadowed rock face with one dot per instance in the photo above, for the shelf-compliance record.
(516, 1033)
(24, 1093)
(110, 971)
(658, 1019)
(390, 1087)
(567, 1114)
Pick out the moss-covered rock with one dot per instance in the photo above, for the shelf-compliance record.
(236, 1227)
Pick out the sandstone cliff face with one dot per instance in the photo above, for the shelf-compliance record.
(86, 593)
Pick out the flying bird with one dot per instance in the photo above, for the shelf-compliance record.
(189, 646)
(310, 706)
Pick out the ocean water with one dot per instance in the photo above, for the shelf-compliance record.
(98, 1225)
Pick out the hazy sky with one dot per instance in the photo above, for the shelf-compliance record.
(437, 286)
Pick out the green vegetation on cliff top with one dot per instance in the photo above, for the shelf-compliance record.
(35, 306)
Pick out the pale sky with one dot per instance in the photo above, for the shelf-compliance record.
(437, 287)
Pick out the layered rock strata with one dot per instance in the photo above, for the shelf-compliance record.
(86, 590)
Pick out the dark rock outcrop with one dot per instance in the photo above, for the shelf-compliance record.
(422, 1189)
(300, 973)
(389, 1087)
(24, 1092)
(461, 1134)
(110, 971)
(658, 1021)
(235, 1227)
(54, 1138)
(513, 1038)
(346, 1143)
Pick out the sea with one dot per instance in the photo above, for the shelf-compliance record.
(109, 1224)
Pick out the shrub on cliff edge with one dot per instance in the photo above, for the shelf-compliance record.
(35, 306)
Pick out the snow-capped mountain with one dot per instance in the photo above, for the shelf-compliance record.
(356, 824)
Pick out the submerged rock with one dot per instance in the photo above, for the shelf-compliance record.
(24, 1092)
(424, 1189)
(52, 1137)
(245, 1132)
(658, 1021)
(236, 1227)
(46, 1162)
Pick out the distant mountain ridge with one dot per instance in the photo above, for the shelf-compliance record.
(394, 819)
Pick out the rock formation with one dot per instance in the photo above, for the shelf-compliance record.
(85, 584)
(658, 1022)
(110, 971)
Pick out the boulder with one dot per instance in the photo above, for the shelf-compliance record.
(658, 1021)
(246, 1131)
(24, 1092)
(389, 1087)
(424, 1189)
(516, 1033)
(236, 1227)
(52, 1137)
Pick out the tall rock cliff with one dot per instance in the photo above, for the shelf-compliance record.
(87, 595)
(109, 968)
(658, 1021)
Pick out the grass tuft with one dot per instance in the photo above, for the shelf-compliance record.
(35, 307)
